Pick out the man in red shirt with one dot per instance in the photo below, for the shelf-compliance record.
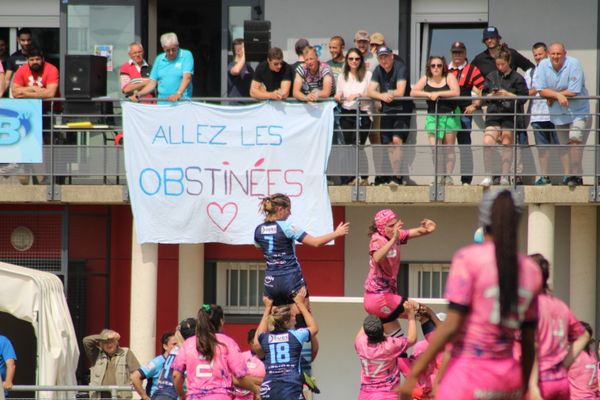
(134, 74)
(38, 79)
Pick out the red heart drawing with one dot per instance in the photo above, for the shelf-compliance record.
(219, 216)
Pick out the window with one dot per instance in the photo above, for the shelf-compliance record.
(427, 281)
(240, 287)
(436, 24)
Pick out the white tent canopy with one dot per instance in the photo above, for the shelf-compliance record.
(38, 298)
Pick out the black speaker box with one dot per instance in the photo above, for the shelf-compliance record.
(257, 39)
(86, 76)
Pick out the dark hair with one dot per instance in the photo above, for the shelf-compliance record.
(24, 31)
(504, 224)
(209, 320)
(270, 204)
(337, 37)
(537, 45)
(250, 337)
(275, 53)
(544, 267)
(164, 339)
(373, 328)
(590, 331)
(280, 316)
(187, 327)
(504, 53)
(444, 66)
(362, 68)
(235, 43)
(35, 51)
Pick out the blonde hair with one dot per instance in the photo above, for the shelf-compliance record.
(270, 204)
(280, 316)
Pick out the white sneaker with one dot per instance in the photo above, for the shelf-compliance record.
(504, 181)
(487, 181)
(448, 181)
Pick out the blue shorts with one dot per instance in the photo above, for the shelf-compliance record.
(275, 390)
(544, 133)
(283, 286)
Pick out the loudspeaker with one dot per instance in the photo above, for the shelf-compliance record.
(257, 39)
(86, 76)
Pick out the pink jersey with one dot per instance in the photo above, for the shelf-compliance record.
(473, 283)
(382, 277)
(255, 368)
(379, 362)
(583, 377)
(557, 328)
(211, 378)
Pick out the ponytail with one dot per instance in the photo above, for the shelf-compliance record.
(588, 347)
(280, 316)
(270, 205)
(209, 323)
(504, 223)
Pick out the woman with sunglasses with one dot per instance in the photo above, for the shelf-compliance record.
(351, 84)
(441, 123)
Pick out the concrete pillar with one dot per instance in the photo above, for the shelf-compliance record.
(142, 319)
(191, 279)
(540, 232)
(583, 263)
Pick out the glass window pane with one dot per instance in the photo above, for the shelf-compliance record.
(444, 279)
(243, 287)
(441, 37)
(253, 285)
(234, 298)
(435, 283)
(102, 25)
(426, 292)
(237, 16)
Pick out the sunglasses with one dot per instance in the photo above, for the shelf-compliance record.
(436, 65)
(353, 58)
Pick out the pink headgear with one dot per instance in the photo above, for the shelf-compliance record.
(382, 218)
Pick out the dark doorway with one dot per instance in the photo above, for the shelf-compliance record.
(198, 28)
(23, 339)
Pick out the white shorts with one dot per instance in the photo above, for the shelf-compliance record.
(575, 132)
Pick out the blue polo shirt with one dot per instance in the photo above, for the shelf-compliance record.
(569, 77)
(169, 73)
(6, 352)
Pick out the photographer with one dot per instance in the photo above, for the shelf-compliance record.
(500, 118)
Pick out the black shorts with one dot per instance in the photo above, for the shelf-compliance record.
(281, 287)
(394, 125)
(506, 122)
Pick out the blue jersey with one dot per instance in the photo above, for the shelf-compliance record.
(283, 350)
(277, 240)
(164, 382)
(151, 371)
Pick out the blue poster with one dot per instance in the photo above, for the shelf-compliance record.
(21, 131)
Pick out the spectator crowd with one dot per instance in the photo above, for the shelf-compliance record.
(370, 85)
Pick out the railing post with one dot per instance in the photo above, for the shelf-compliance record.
(113, 393)
(515, 144)
(52, 159)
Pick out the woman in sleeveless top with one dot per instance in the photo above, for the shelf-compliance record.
(441, 123)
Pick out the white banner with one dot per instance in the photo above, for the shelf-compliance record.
(196, 172)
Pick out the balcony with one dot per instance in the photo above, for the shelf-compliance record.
(83, 163)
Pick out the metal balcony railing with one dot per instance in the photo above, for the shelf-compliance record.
(88, 154)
